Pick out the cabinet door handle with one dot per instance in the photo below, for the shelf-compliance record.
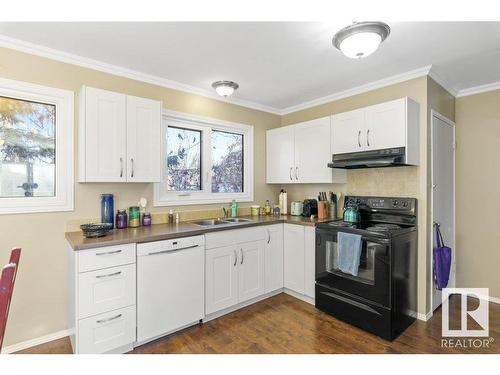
(359, 140)
(241, 251)
(108, 319)
(296, 173)
(121, 167)
(268, 236)
(109, 275)
(109, 252)
(235, 258)
(291, 171)
(132, 171)
(368, 137)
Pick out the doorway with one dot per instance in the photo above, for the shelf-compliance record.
(443, 192)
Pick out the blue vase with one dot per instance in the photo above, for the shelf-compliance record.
(107, 209)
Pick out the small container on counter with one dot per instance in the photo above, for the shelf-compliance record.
(146, 219)
(276, 210)
(254, 210)
(107, 209)
(170, 216)
(177, 218)
(134, 217)
(121, 219)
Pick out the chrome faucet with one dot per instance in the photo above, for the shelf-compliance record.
(225, 211)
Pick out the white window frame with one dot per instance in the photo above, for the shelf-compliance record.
(163, 197)
(63, 100)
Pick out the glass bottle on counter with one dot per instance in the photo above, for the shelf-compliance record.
(121, 219)
(268, 207)
(146, 219)
(134, 217)
(107, 209)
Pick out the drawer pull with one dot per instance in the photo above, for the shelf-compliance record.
(173, 250)
(100, 321)
(109, 252)
(109, 275)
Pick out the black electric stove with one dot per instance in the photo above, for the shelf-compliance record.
(381, 296)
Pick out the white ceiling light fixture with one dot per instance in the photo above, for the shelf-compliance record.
(361, 39)
(225, 88)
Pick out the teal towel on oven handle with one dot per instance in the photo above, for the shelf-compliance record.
(349, 252)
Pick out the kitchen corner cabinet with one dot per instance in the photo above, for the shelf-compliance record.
(300, 153)
(299, 259)
(119, 137)
(387, 125)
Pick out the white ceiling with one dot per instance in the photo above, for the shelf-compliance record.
(277, 65)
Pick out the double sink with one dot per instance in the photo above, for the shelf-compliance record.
(216, 222)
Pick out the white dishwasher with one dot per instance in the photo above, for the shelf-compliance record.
(170, 286)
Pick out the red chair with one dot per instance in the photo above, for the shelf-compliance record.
(7, 280)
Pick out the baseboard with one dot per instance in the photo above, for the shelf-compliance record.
(424, 317)
(300, 296)
(36, 341)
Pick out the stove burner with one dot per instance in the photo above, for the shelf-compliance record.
(342, 224)
(383, 227)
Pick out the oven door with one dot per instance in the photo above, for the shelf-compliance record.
(374, 273)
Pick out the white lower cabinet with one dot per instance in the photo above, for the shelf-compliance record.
(299, 259)
(106, 332)
(221, 278)
(102, 299)
(251, 271)
(234, 274)
(274, 257)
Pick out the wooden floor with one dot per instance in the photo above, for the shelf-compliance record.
(283, 324)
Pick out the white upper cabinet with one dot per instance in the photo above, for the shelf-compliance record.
(103, 152)
(280, 155)
(387, 125)
(143, 135)
(300, 153)
(348, 131)
(119, 137)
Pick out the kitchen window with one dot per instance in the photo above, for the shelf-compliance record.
(36, 148)
(204, 161)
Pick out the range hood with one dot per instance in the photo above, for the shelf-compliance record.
(390, 157)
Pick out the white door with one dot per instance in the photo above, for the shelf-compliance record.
(143, 139)
(348, 132)
(293, 249)
(310, 261)
(251, 272)
(280, 155)
(105, 136)
(443, 191)
(385, 125)
(170, 290)
(312, 151)
(274, 257)
(221, 278)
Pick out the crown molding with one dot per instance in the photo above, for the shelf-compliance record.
(479, 89)
(50, 53)
(442, 82)
(360, 89)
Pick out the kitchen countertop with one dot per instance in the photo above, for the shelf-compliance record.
(157, 232)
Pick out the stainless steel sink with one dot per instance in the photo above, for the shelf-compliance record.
(214, 222)
(209, 222)
(237, 220)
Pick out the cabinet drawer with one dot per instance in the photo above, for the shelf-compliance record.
(108, 331)
(104, 257)
(106, 290)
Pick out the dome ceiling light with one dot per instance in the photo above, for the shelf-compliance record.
(225, 88)
(361, 39)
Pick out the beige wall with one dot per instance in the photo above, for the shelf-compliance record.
(39, 302)
(399, 182)
(478, 191)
